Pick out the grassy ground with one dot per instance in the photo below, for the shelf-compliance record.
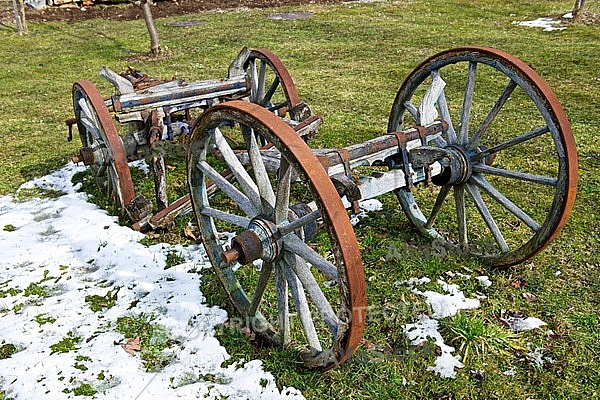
(348, 62)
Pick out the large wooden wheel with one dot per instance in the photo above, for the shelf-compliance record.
(273, 87)
(512, 182)
(103, 149)
(294, 270)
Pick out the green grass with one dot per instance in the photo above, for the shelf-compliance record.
(66, 344)
(98, 303)
(153, 339)
(348, 62)
(7, 350)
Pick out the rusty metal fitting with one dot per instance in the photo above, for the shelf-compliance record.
(245, 248)
(458, 170)
(87, 155)
(70, 122)
(260, 241)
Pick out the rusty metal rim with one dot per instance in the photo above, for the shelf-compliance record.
(113, 140)
(287, 83)
(344, 241)
(565, 200)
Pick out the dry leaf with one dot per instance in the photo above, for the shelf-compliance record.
(188, 232)
(132, 345)
(248, 333)
(403, 299)
(530, 298)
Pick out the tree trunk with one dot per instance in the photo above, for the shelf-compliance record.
(19, 12)
(578, 8)
(154, 40)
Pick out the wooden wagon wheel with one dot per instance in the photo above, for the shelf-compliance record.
(294, 284)
(273, 86)
(514, 174)
(103, 149)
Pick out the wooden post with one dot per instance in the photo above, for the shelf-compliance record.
(160, 182)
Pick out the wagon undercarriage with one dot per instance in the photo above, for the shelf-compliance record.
(273, 213)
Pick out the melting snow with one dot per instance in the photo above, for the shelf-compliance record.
(75, 250)
(442, 305)
(366, 206)
(523, 324)
(484, 281)
(447, 305)
(547, 24)
(424, 328)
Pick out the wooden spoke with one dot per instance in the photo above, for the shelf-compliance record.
(542, 180)
(302, 308)
(238, 197)
(487, 217)
(254, 79)
(465, 117)
(243, 178)
(283, 192)
(474, 142)
(461, 217)
(313, 216)
(309, 282)
(512, 142)
(283, 306)
(260, 172)
(269, 94)
(234, 219)
(439, 202)
(260, 93)
(482, 183)
(445, 112)
(263, 280)
(414, 112)
(297, 246)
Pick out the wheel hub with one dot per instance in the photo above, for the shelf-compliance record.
(263, 240)
(259, 241)
(458, 170)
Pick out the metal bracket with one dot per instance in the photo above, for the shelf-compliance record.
(346, 187)
(402, 140)
(344, 183)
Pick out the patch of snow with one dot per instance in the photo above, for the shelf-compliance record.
(538, 358)
(447, 305)
(484, 281)
(76, 250)
(568, 15)
(442, 305)
(412, 282)
(518, 324)
(366, 206)
(142, 165)
(510, 372)
(424, 328)
(462, 276)
(547, 24)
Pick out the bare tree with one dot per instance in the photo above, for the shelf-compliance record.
(578, 8)
(19, 11)
(154, 40)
